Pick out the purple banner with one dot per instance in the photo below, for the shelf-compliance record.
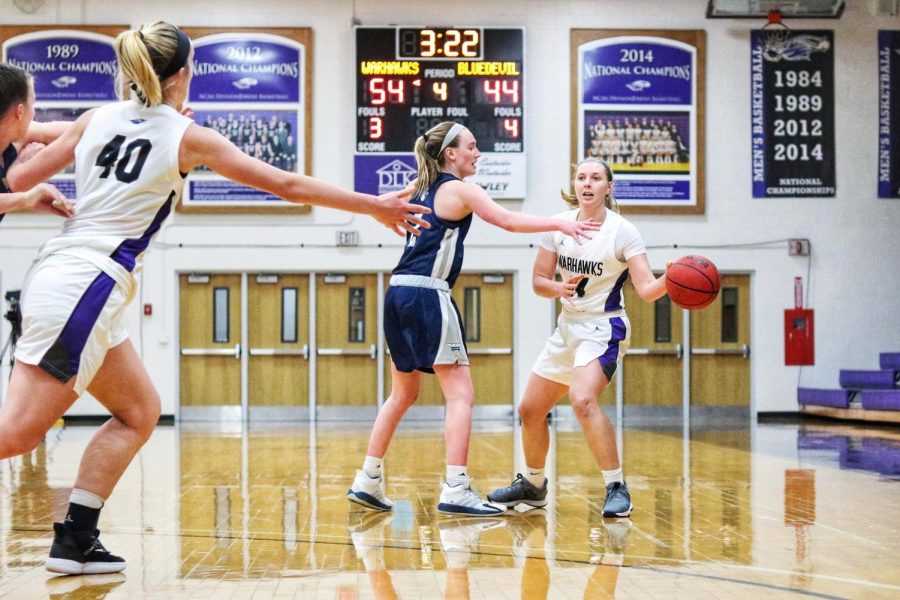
(66, 65)
(637, 73)
(889, 114)
(637, 112)
(231, 68)
(382, 173)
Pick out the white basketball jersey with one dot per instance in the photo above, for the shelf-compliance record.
(127, 177)
(601, 260)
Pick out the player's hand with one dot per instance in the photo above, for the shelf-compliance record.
(28, 151)
(569, 289)
(44, 198)
(397, 214)
(579, 230)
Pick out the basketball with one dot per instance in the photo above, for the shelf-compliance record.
(692, 282)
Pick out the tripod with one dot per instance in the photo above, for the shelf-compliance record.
(14, 316)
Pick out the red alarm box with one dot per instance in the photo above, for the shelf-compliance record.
(799, 337)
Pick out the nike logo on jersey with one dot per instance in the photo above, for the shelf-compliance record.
(138, 121)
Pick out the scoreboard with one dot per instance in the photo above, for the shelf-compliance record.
(409, 79)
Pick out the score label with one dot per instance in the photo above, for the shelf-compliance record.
(793, 114)
(410, 79)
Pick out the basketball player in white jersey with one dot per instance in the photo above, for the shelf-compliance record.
(592, 335)
(17, 130)
(130, 157)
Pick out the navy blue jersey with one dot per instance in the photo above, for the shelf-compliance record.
(437, 252)
(9, 155)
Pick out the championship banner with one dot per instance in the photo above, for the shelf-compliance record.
(74, 70)
(639, 107)
(792, 114)
(253, 87)
(889, 114)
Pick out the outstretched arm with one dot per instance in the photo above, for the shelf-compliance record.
(647, 285)
(49, 161)
(202, 145)
(46, 133)
(484, 206)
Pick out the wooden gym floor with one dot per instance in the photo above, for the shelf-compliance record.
(772, 510)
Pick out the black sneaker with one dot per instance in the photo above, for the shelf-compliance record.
(618, 500)
(80, 553)
(521, 491)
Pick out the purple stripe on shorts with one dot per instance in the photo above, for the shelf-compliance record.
(612, 349)
(64, 357)
(127, 252)
(614, 300)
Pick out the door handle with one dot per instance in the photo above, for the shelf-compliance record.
(371, 351)
(235, 352)
(743, 351)
(304, 351)
(677, 351)
(494, 351)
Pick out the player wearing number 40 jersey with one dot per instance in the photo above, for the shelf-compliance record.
(130, 160)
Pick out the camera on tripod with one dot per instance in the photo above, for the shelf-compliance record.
(13, 314)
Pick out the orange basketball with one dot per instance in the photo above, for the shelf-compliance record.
(692, 282)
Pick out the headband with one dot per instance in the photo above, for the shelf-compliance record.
(180, 57)
(451, 135)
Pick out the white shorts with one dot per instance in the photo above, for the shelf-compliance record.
(576, 343)
(72, 315)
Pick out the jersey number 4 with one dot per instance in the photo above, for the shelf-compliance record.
(125, 170)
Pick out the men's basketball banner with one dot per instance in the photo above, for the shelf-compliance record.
(792, 113)
(889, 114)
(638, 107)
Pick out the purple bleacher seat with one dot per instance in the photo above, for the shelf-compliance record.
(866, 380)
(881, 399)
(889, 360)
(819, 397)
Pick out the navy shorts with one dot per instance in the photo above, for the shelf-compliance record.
(423, 328)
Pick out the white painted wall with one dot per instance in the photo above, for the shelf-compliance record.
(855, 244)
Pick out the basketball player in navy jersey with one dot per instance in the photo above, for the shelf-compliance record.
(592, 335)
(17, 131)
(422, 324)
(130, 158)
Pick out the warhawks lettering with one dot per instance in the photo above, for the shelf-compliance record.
(576, 265)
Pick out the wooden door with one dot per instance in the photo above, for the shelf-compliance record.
(720, 354)
(210, 342)
(279, 346)
(346, 344)
(653, 370)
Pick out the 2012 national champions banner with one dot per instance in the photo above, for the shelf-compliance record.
(792, 113)
(889, 114)
(251, 86)
(639, 108)
(74, 70)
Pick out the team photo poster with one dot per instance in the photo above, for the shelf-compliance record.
(639, 108)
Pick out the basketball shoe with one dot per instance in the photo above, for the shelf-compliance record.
(521, 491)
(460, 537)
(80, 553)
(462, 500)
(618, 500)
(369, 491)
(367, 535)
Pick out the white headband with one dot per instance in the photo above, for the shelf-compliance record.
(451, 135)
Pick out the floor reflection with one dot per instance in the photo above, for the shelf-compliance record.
(245, 510)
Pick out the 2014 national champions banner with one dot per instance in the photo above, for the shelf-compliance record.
(889, 114)
(639, 108)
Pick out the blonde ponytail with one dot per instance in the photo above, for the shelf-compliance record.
(429, 151)
(143, 55)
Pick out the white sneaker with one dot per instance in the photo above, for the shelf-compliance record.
(462, 500)
(367, 531)
(369, 492)
(460, 537)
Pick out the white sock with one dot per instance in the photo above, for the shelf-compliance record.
(535, 476)
(613, 476)
(372, 466)
(86, 498)
(457, 474)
